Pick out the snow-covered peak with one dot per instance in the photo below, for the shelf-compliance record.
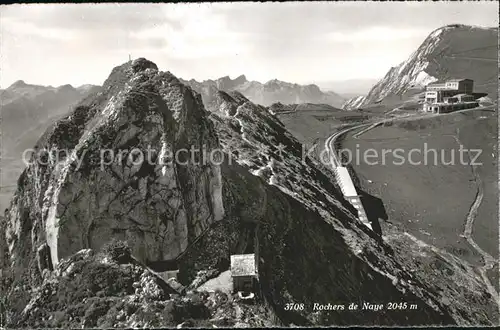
(353, 103)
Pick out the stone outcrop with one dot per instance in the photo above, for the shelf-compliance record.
(99, 190)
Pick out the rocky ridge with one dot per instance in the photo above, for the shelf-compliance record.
(444, 275)
(263, 195)
(266, 94)
(353, 103)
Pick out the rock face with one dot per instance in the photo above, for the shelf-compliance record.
(353, 103)
(97, 189)
(453, 51)
(266, 94)
(257, 193)
(226, 103)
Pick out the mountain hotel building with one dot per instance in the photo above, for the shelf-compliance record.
(452, 95)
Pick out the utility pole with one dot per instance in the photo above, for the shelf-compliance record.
(129, 58)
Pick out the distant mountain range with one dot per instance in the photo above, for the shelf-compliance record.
(22, 101)
(453, 51)
(348, 87)
(27, 111)
(268, 93)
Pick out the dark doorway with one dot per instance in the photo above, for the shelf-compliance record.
(375, 210)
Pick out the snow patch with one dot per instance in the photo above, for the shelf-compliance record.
(402, 66)
(354, 103)
(423, 79)
(52, 223)
(246, 162)
(436, 33)
(163, 153)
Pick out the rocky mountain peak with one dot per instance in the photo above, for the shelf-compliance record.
(65, 88)
(314, 88)
(124, 72)
(226, 83)
(273, 81)
(142, 64)
(241, 78)
(441, 57)
(17, 84)
(139, 108)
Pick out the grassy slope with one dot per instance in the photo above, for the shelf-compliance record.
(470, 54)
(313, 126)
(432, 202)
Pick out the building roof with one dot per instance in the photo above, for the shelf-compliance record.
(442, 83)
(460, 95)
(243, 265)
(345, 182)
(458, 79)
(437, 84)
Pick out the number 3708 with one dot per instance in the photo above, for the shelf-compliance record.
(294, 307)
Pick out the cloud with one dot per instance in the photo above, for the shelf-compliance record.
(29, 29)
(87, 17)
(377, 33)
(310, 19)
(82, 28)
(199, 33)
(295, 41)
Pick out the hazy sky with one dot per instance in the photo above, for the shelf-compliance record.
(297, 42)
